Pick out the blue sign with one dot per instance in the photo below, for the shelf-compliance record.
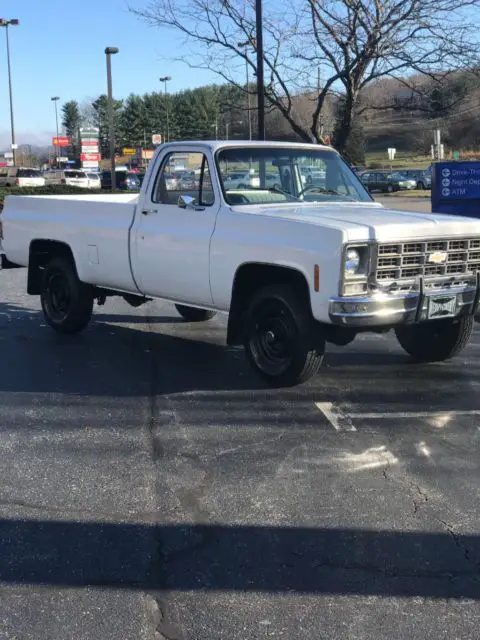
(456, 188)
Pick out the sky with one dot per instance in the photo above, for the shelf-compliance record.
(58, 50)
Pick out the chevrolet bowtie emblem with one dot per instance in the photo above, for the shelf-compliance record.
(439, 257)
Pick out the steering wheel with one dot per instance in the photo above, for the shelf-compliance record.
(311, 188)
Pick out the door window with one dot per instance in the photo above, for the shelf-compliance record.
(184, 174)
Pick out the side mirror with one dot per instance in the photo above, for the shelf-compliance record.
(186, 202)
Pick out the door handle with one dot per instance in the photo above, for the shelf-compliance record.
(146, 212)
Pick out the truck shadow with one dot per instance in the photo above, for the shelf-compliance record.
(118, 360)
(219, 558)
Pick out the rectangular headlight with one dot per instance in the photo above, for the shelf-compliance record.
(356, 260)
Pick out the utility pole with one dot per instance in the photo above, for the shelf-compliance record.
(109, 52)
(14, 23)
(57, 146)
(260, 75)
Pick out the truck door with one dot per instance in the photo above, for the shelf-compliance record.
(173, 228)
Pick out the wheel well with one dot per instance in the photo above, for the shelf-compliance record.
(41, 252)
(249, 279)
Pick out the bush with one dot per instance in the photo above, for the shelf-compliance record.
(51, 190)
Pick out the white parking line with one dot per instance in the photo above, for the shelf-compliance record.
(342, 421)
(339, 420)
(412, 414)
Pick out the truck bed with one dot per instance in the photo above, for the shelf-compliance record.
(96, 227)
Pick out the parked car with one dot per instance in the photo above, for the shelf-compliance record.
(172, 182)
(357, 169)
(422, 177)
(94, 181)
(125, 180)
(186, 182)
(71, 177)
(293, 271)
(312, 175)
(387, 181)
(21, 177)
(240, 180)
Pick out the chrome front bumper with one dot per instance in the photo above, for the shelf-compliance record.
(384, 309)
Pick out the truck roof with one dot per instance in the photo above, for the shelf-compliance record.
(214, 145)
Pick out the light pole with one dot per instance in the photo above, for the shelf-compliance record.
(14, 23)
(166, 79)
(109, 52)
(245, 44)
(55, 99)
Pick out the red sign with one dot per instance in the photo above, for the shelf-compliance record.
(90, 143)
(62, 141)
(90, 157)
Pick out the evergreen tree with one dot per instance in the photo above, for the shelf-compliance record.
(101, 121)
(72, 121)
(133, 122)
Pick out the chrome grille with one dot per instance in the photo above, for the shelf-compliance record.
(408, 260)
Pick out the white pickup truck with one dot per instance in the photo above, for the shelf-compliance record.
(294, 265)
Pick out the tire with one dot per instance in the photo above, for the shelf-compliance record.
(279, 340)
(436, 341)
(420, 186)
(67, 303)
(390, 189)
(192, 314)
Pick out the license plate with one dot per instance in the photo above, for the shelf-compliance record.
(442, 307)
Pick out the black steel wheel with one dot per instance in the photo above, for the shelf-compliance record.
(67, 303)
(280, 340)
(436, 341)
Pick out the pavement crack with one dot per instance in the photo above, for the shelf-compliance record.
(158, 610)
(449, 529)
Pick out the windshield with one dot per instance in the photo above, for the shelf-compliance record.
(75, 174)
(272, 175)
(29, 173)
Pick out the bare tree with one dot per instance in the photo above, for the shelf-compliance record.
(353, 43)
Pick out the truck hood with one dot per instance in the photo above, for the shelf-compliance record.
(370, 221)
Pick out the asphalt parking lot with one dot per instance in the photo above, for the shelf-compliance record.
(405, 203)
(151, 488)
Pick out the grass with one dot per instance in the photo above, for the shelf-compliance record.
(403, 160)
(414, 193)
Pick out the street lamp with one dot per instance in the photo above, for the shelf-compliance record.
(55, 99)
(245, 44)
(14, 23)
(166, 79)
(109, 52)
